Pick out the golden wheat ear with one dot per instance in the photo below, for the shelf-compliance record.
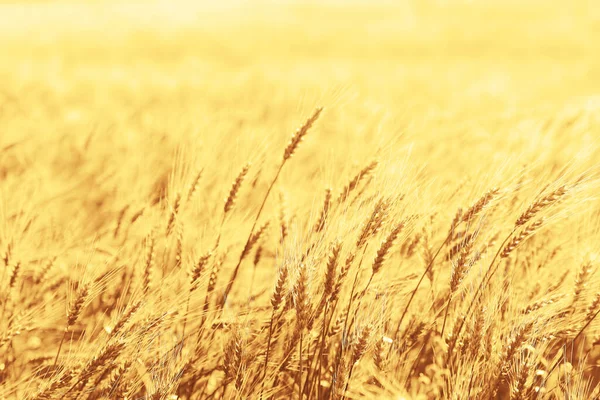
(235, 188)
(73, 315)
(300, 133)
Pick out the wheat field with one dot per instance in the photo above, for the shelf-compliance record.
(300, 200)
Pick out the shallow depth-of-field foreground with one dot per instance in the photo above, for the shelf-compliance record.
(335, 201)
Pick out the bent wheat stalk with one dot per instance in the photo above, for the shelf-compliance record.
(473, 211)
(289, 151)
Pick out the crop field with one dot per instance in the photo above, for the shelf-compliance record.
(300, 200)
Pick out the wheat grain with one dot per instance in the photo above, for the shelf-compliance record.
(540, 204)
(235, 188)
(300, 133)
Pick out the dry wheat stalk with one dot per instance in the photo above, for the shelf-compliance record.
(125, 318)
(55, 386)
(235, 188)
(582, 278)
(106, 355)
(540, 204)
(278, 293)
(198, 269)
(332, 261)
(276, 300)
(283, 218)
(290, 149)
(149, 262)
(522, 236)
(73, 314)
(301, 298)
(385, 247)
(355, 181)
(320, 224)
(482, 203)
(300, 133)
(194, 185)
(592, 308)
(254, 239)
(173, 215)
(510, 350)
(233, 360)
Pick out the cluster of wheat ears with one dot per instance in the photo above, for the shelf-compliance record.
(367, 297)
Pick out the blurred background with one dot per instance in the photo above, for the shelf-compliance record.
(386, 71)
